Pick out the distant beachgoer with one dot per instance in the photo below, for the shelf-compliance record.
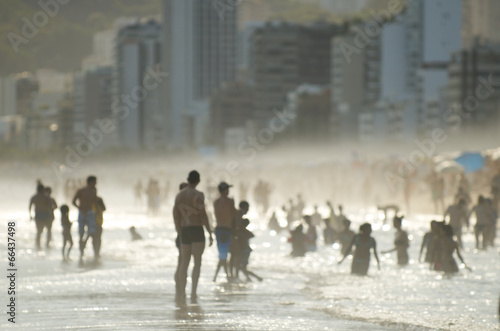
(334, 222)
(266, 197)
(463, 183)
(67, 237)
(244, 236)
(437, 186)
(462, 194)
(346, 236)
(386, 208)
(328, 232)
(135, 235)
(311, 234)
(289, 215)
(273, 224)
(190, 217)
(225, 215)
(484, 215)
(495, 190)
(428, 242)
(408, 190)
(153, 194)
(299, 207)
(492, 229)
(401, 242)
(316, 217)
(87, 198)
(138, 192)
(48, 192)
(437, 248)
(258, 193)
(99, 209)
(43, 214)
(459, 216)
(182, 186)
(340, 220)
(361, 258)
(298, 240)
(449, 246)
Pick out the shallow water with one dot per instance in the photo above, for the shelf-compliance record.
(133, 286)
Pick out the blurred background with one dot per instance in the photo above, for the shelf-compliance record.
(174, 77)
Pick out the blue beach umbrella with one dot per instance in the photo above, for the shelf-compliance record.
(471, 162)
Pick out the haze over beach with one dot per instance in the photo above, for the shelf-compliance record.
(250, 164)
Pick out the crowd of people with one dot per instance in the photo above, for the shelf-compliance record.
(192, 218)
(90, 218)
(155, 195)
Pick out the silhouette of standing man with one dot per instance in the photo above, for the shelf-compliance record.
(190, 217)
(43, 214)
(225, 215)
(87, 198)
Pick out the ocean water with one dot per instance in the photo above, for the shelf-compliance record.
(133, 287)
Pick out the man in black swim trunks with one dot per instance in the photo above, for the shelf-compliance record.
(190, 217)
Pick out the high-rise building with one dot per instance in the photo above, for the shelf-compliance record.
(435, 29)
(470, 86)
(285, 56)
(93, 95)
(199, 54)
(8, 104)
(480, 22)
(311, 106)
(355, 81)
(141, 118)
(245, 45)
(403, 68)
(10, 123)
(231, 107)
(104, 44)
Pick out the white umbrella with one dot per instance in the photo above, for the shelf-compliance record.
(449, 167)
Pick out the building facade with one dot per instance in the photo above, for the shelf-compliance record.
(470, 87)
(312, 109)
(480, 22)
(199, 55)
(231, 107)
(356, 81)
(286, 56)
(137, 97)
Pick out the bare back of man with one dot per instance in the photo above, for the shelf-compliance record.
(225, 212)
(86, 197)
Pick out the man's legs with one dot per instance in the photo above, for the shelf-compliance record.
(458, 233)
(197, 251)
(49, 232)
(223, 237)
(186, 252)
(81, 232)
(64, 249)
(39, 230)
(177, 272)
(96, 241)
(69, 248)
